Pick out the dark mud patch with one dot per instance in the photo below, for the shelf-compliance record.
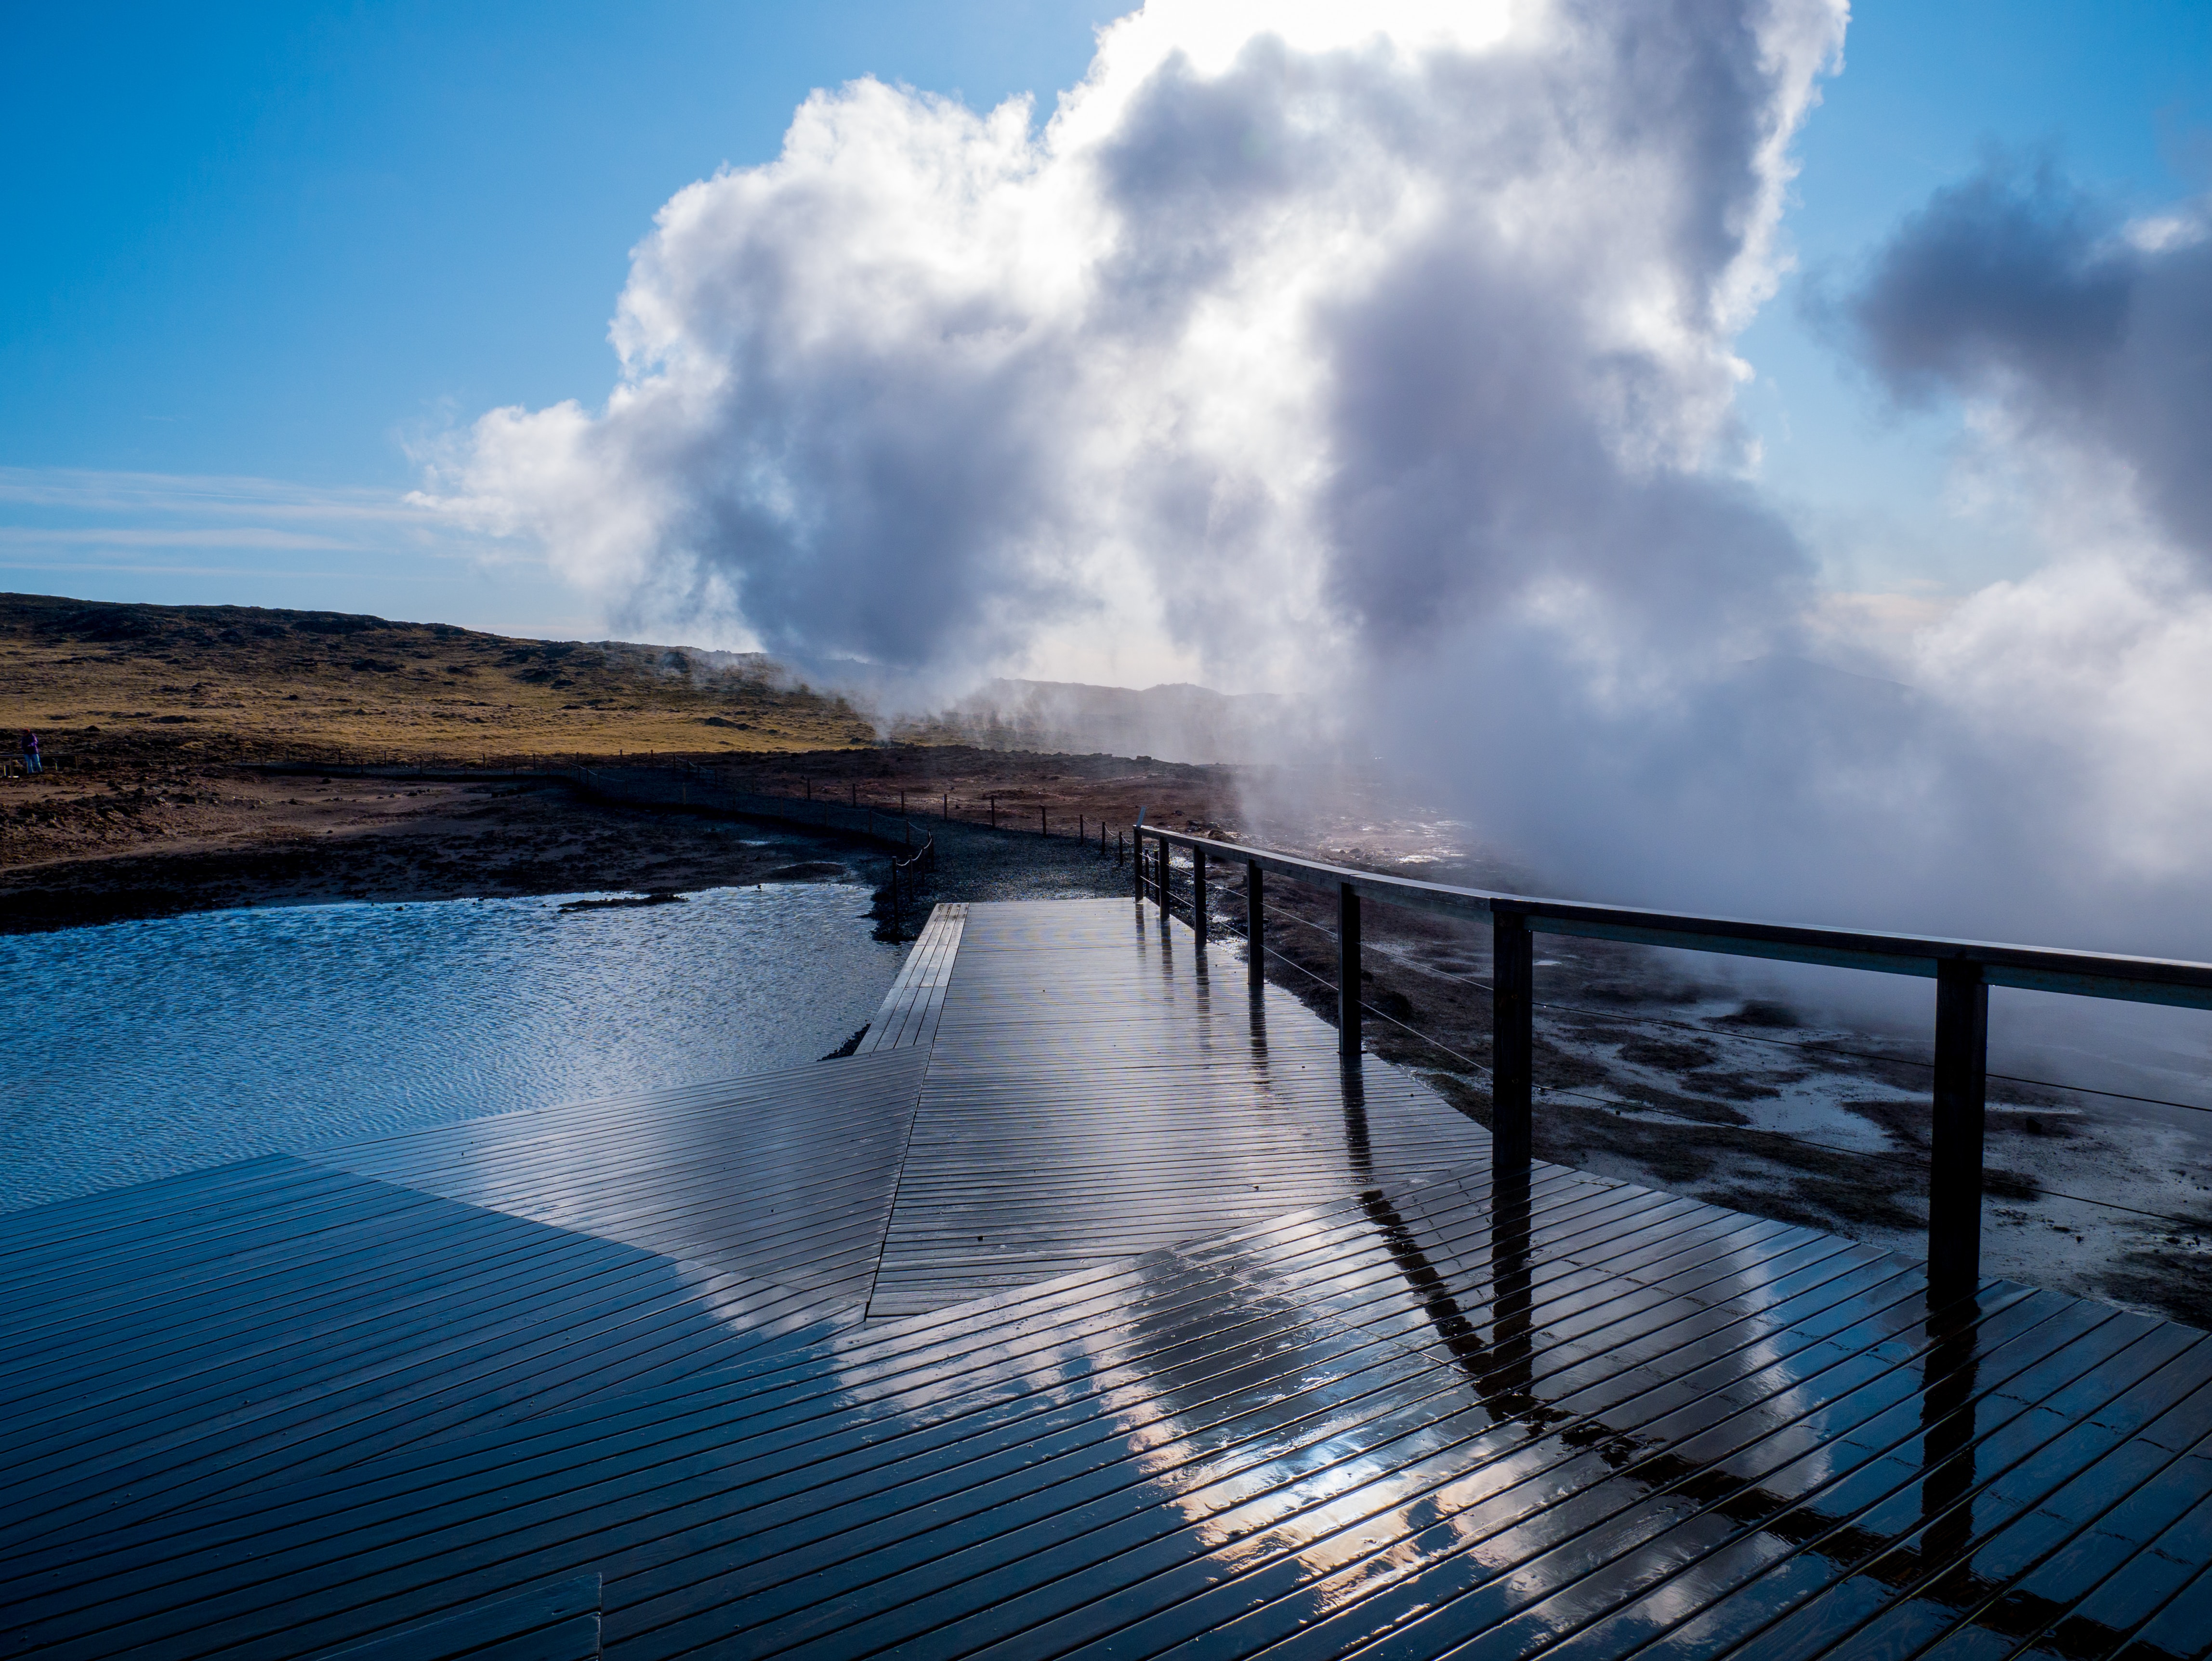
(1675, 1155)
(1696, 1108)
(1906, 1121)
(2060, 1126)
(806, 871)
(1730, 1086)
(2176, 1283)
(1998, 1183)
(1811, 1202)
(623, 902)
(1762, 1013)
(1683, 1055)
(1392, 1004)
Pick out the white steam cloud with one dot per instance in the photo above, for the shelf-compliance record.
(1386, 350)
(1290, 325)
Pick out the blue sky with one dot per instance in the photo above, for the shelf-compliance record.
(252, 252)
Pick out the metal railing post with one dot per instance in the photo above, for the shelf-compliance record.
(1954, 1159)
(1255, 923)
(1347, 970)
(1512, 1042)
(1198, 917)
(1137, 862)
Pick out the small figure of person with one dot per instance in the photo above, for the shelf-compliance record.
(31, 752)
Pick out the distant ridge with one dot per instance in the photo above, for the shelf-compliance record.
(268, 680)
(255, 679)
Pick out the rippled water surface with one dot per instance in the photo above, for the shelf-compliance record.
(141, 1049)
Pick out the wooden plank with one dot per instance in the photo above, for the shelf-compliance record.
(558, 1623)
(908, 1016)
(811, 1462)
(1095, 1092)
(433, 1283)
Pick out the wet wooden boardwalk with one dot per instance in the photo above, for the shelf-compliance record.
(1095, 1310)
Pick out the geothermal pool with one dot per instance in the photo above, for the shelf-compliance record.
(141, 1049)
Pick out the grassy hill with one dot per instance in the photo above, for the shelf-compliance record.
(241, 682)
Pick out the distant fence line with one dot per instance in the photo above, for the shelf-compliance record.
(852, 813)
(686, 785)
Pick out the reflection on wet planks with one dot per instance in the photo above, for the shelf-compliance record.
(1421, 1417)
(1588, 1417)
(236, 1328)
(1098, 1089)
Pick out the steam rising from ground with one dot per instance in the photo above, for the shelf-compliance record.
(1383, 353)
(1270, 341)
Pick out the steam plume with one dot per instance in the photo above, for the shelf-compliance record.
(1387, 352)
(1290, 325)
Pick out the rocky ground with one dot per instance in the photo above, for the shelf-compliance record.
(236, 840)
(138, 831)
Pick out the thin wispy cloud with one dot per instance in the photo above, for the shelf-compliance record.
(93, 490)
(318, 573)
(178, 537)
(69, 511)
(183, 538)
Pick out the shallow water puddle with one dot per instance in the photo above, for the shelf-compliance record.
(140, 1048)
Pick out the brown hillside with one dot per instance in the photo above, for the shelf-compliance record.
(240, 682)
